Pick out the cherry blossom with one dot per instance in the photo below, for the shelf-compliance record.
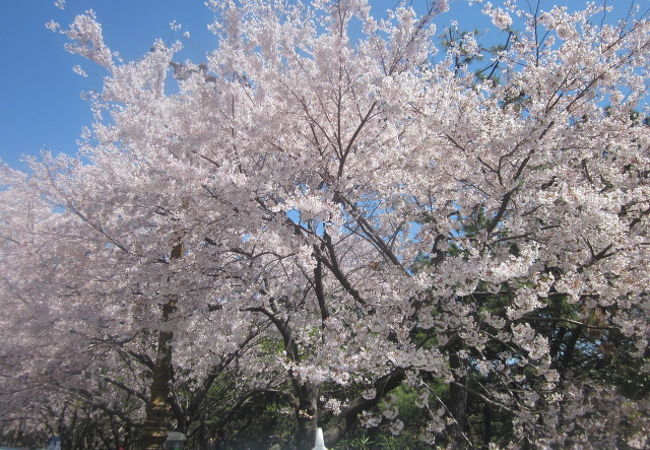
(310, 208)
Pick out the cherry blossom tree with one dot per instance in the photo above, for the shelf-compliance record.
(362, 213)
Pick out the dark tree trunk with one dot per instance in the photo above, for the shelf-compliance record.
(457, 404)
(307, 415)
(156, 422)
(157, 418)
(487, 424)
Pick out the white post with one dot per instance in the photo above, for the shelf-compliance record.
(320, 442)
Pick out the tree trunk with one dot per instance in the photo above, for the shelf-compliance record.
(458, 404)
(487, 425)
(156, 422)
(157, 418)
(306, 416)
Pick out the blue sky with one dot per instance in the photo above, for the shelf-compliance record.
(41, 106)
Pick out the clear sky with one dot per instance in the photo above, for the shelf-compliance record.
(41, 106)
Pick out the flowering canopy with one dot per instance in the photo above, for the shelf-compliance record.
(379, 210)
